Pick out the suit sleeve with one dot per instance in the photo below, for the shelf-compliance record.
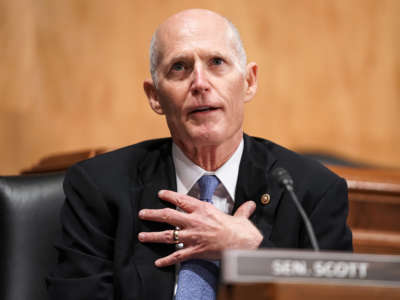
(329, 219)
(85, 248)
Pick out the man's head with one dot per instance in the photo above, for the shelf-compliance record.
(200, 78)
(234, 34)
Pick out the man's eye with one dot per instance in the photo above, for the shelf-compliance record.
(217, 61)
(179, 66)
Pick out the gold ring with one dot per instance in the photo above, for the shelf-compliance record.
(175, 235)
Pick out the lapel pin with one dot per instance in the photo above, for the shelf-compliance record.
(265, 199)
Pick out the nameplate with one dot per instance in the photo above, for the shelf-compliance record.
(240, 266)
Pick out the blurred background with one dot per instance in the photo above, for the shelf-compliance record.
(72, 70)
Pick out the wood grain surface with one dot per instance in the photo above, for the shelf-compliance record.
(72, 71)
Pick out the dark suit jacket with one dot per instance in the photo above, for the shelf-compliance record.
(100, 256)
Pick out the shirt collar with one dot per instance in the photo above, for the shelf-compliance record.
(187, 172)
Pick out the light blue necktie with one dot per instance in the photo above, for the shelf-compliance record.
(198, 279)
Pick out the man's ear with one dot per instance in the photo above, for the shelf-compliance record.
(251, 81)
(152, 96)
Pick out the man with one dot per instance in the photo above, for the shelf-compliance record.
(126, 211)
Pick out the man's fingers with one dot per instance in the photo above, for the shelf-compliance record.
(184, 202)
(175, 257)
(246, 209)
(166, 237)
(165, 215)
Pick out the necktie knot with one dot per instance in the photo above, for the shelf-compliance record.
(208, 185)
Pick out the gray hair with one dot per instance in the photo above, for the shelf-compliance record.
(155, 51)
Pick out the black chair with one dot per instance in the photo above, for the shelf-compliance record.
(29, 223)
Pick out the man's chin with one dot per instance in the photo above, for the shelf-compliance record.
(207, 136)
(208, 139)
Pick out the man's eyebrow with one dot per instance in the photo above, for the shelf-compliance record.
(186, 56)
(216, 54)
(179, 58)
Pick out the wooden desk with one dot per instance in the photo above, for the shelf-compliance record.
(61, 161)
(301, 291)
(374, 208)
(297, 275)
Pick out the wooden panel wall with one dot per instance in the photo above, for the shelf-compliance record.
(72, 70)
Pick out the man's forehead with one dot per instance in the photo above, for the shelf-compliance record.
(189, 43)
(192, 17)
(194, 31)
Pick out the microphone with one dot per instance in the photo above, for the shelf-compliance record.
(284, 179)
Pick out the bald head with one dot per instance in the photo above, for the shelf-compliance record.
(191, 20)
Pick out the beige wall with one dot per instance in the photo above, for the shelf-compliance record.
(72, 70)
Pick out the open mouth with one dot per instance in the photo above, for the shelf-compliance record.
(203, 109)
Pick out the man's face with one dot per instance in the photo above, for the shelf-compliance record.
(201, 87)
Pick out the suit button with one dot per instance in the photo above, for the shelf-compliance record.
(265, 199)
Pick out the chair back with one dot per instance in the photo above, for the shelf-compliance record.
(29, 223)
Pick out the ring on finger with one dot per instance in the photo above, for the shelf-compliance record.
(175, 236)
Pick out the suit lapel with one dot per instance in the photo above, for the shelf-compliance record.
(156, 172)
(255, 180)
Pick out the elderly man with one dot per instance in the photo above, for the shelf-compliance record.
(150, 221)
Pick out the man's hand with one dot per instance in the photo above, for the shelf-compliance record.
(205, 230)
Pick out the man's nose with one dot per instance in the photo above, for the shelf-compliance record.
(200, 82)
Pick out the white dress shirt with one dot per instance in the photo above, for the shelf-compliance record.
(188, 173)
